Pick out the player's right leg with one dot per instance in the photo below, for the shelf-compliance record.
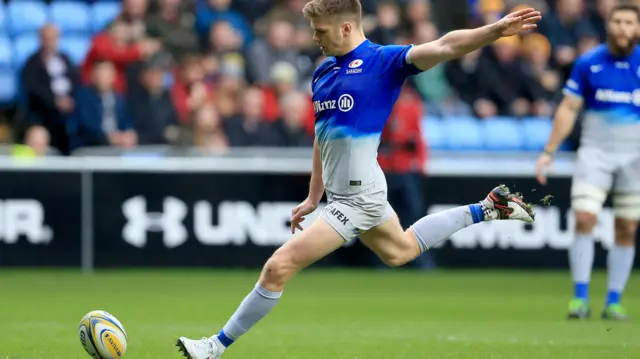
(396, 246)
(302, 250)
(589, 187)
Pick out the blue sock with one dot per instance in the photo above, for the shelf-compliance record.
(613, 297)
(224, 339)
(476, 213)
(581, 290)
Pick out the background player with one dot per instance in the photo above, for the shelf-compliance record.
(354, 91)
(606, 81)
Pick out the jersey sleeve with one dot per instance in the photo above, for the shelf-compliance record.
(577, 82)
(395, 60)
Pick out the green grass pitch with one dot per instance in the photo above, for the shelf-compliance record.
(337, 314)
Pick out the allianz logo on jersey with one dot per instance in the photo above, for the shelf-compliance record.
(344, 103)
(613, 96)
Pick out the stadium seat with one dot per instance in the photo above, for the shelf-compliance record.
(462, 134)
(3, 18)
(26, 16)
(71, 16)
(433, 133)
(6, 52)
(536, 130)
(23, 47)
(502, 134)
(102, 13)
(76, 47)
(8, 90)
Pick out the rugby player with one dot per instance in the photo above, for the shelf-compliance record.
(354, 91)
(605, 82)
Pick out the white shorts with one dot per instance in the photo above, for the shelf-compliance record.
(615, 172)
(354, 214)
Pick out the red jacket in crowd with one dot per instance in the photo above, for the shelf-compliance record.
(402, 148)
(105, 48)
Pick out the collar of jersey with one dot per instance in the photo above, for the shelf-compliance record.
(340, 60)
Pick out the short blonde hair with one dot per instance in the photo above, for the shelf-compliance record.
(322, 8)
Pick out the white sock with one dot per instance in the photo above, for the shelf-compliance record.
(437, 227)
(581, 253)
(619, 263)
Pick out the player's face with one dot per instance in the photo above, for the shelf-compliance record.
(330, 35)
(623, 29)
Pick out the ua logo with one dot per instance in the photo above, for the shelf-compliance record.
(139, 222)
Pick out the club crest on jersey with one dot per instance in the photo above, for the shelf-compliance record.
(354, 67)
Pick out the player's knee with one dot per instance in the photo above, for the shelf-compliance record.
(586, 201)
(393, 260)
(626, 231)
(278, 270)
(585, 221)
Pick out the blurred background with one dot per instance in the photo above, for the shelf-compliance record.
(179, 132)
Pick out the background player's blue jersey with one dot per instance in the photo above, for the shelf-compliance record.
(353, 96)
(610, 88)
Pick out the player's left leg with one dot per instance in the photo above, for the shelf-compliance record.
(396, 246)
(621, 256)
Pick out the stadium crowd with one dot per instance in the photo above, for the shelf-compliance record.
(216, 74)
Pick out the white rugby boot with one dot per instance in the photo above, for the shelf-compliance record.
(205, 348)
(502, 204)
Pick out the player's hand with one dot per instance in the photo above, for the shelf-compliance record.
(516, 22)
(298, 213)
(543, 167)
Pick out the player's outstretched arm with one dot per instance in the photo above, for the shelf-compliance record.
(460, 42)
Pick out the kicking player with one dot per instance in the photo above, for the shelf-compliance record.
(354, 91)
(606, 81)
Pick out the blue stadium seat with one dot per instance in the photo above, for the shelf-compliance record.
(6, 52)
(76, 47)
(23, 47)
(536, 130)
(502, 134)
(462, 134)
(26, 16)
(433, 133)
(3, 18)
(8, 90)
(102, 13)
(71, 16)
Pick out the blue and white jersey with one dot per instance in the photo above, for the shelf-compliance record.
(610, 89)
(353, 96)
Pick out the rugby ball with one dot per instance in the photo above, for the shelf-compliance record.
(102, 335)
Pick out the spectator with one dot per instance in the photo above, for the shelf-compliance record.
(209, 136)
(290, 128)
(213, 11)
(598, 18)
(284, 79)
(512, 94)
(133, 14)
(113, 45)
(100, 117)
(278, 46)
(563, 28)
(467, 76)
(36, 144)
(249, 128)
(154, 117)
(230, 85)
(190, 92)
(387, 29)
(537, 52)
(172, 25)
(49, 79)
